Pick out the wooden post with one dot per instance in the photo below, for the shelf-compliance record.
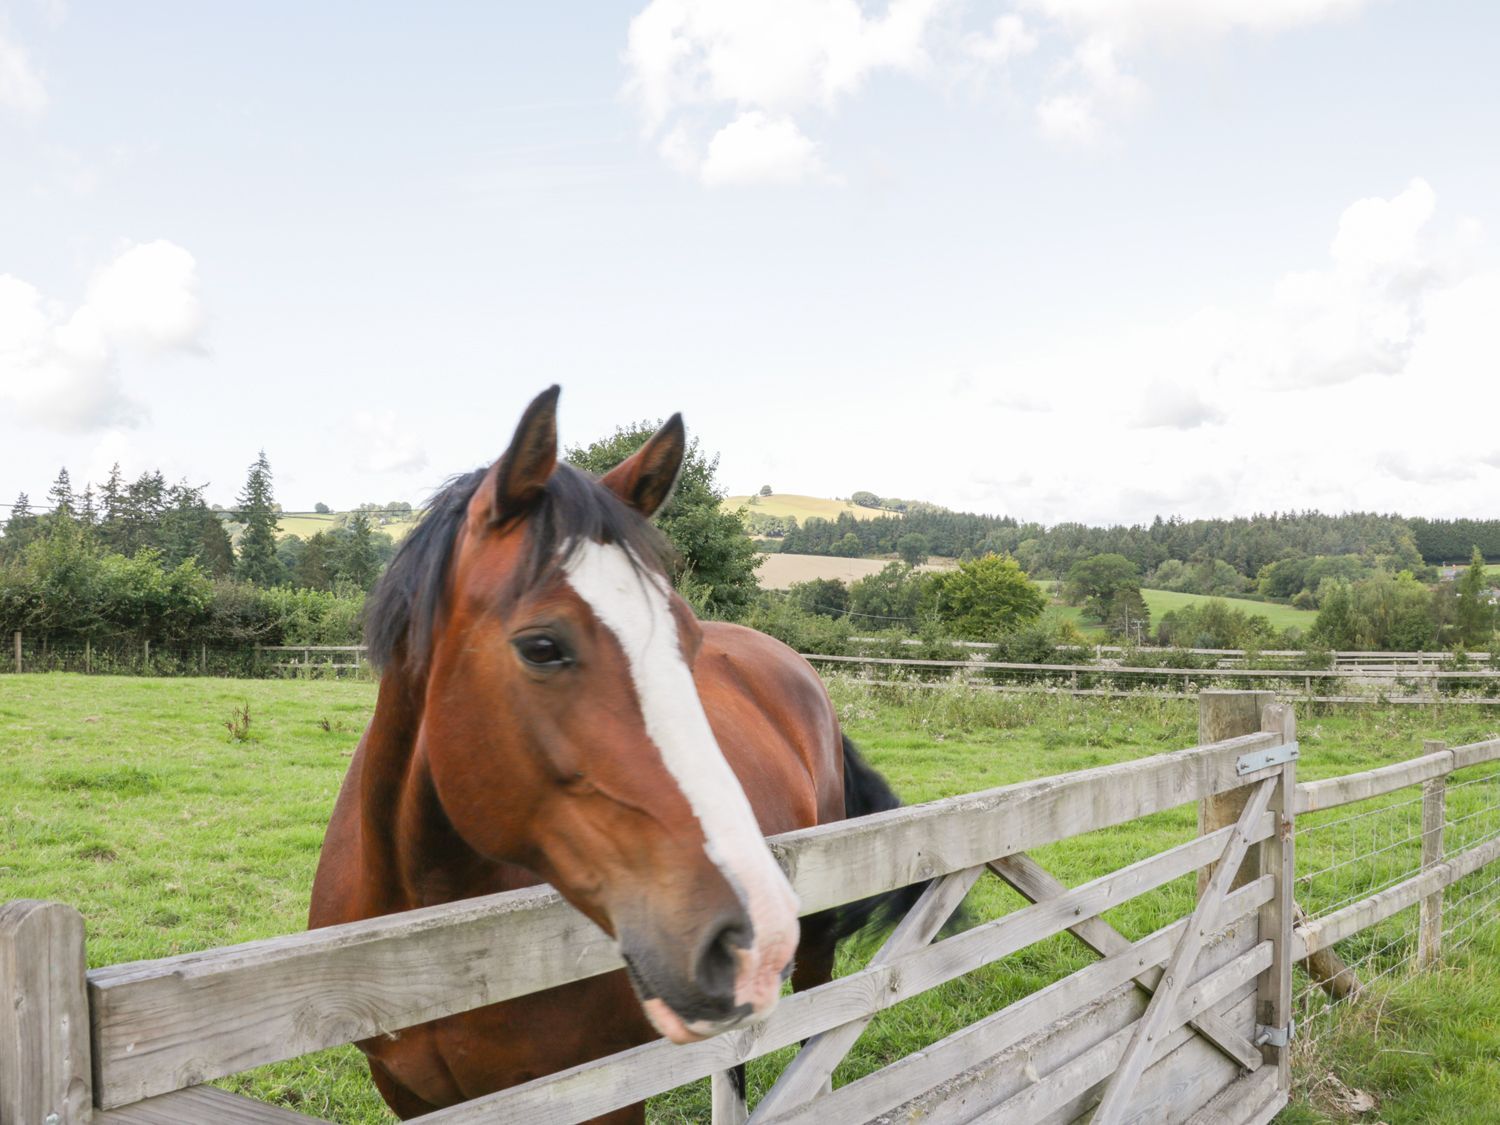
(147, 648)
(88, 655)
(1434, 815)
(1278, 916)
(1221, 715)
(45, 1074)
(18, 650)
(727, 1097)
(203, 658)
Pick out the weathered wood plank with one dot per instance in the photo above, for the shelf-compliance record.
(1253, 1100)
(1319, 933)
(1227, 714)
(971, 1046)
(1159, 1012)
(808, 1074)
(163, 1025)
(1314, 796)
(958, 1100)
(44, 1026)
(1476, 753)
(1278, 858)
(202, 1105)
(727, 1099)
(1098, 1063)
(627, 1077)
(1434, 818)
(1033, 881)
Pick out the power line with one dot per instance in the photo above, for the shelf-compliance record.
(412, 512)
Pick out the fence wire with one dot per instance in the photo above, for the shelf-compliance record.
(1344, 857)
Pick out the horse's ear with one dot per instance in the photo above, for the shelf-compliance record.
(645, 479)
(518, 478)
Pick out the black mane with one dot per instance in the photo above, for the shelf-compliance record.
(406, 604)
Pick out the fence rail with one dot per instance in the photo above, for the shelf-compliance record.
(1190, 1018)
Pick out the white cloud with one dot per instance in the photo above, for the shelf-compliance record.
(755, 148)
(59, 368)
(1008, 38)
(1363, 384)
(21, 87)
(691, 61)
(1175, 407)
(696, 68)
(384, 445)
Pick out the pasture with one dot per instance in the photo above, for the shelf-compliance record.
(1281, 616)
(306, 526)
(131, 799)
(803, 507)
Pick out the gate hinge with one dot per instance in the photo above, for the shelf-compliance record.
(1274, 1036)
(1261, 759)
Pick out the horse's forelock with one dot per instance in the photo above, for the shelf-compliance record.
(408, 601)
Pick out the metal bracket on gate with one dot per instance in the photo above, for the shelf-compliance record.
(1261, 759)
(1274, 1036)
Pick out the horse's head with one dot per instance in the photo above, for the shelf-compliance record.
(563, 729)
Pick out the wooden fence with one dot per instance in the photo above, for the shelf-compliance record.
(1399, 684)
(1192, 1022)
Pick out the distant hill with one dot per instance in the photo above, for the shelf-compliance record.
(803, 507)
(305, 527)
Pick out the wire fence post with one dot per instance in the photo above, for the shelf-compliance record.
(18, 650)
(1434, 816)
(1278, 858)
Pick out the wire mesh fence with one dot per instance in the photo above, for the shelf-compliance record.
(133, 657)
(1345, 855)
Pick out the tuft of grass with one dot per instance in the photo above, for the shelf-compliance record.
(238, 723)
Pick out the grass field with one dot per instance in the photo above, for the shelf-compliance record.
(127, 798)
(803, 507)
(306, 527)
(1280, 616)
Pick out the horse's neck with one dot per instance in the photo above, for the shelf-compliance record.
(422, 859)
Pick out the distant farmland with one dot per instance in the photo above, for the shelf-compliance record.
(803, 507)
(305, 527)
(777, 572)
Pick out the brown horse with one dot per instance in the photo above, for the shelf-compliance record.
(550, 709)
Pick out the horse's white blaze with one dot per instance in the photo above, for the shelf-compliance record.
(633, 604)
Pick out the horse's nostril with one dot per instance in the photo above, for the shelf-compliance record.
(718, 963)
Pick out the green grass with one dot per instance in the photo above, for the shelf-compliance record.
(1280, 616)
(127, 798)
(307, 526)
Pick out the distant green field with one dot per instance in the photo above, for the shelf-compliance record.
(1164, 601)
(306, 527)
(1280, 616)
(803, 507)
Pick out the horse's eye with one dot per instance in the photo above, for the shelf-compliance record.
(540, 651)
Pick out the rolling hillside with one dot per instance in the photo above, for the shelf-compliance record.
(802, 507)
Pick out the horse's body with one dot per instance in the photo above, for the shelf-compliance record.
(483, 771)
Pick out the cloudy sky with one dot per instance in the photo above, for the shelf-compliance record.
(1066, 259)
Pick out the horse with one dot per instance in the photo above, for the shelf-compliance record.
(550, 709)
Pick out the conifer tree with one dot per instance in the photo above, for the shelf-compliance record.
(60, 495)
(258, 562)
(356, 562)
(1476, 616)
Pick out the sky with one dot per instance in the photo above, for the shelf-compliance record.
(1067, 260)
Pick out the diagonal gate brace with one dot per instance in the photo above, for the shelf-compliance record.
(1037, 884)
(1127, 1076)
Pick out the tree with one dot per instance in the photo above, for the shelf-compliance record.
(986, 597)
(258, 563)
(765, 490)
(1096, 582)
(354, 560)
(913, 548)
(1475, 616)
(718, 555)
(1335, 625)
(321, 508)
(315, 568)
(60, 495)
(892, 597)
(826, 596)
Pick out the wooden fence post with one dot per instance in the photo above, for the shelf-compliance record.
(1278, 857)
(45, 1074)
(1227, 714)
(1434, 816)
(146, 668)
(18, 650)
